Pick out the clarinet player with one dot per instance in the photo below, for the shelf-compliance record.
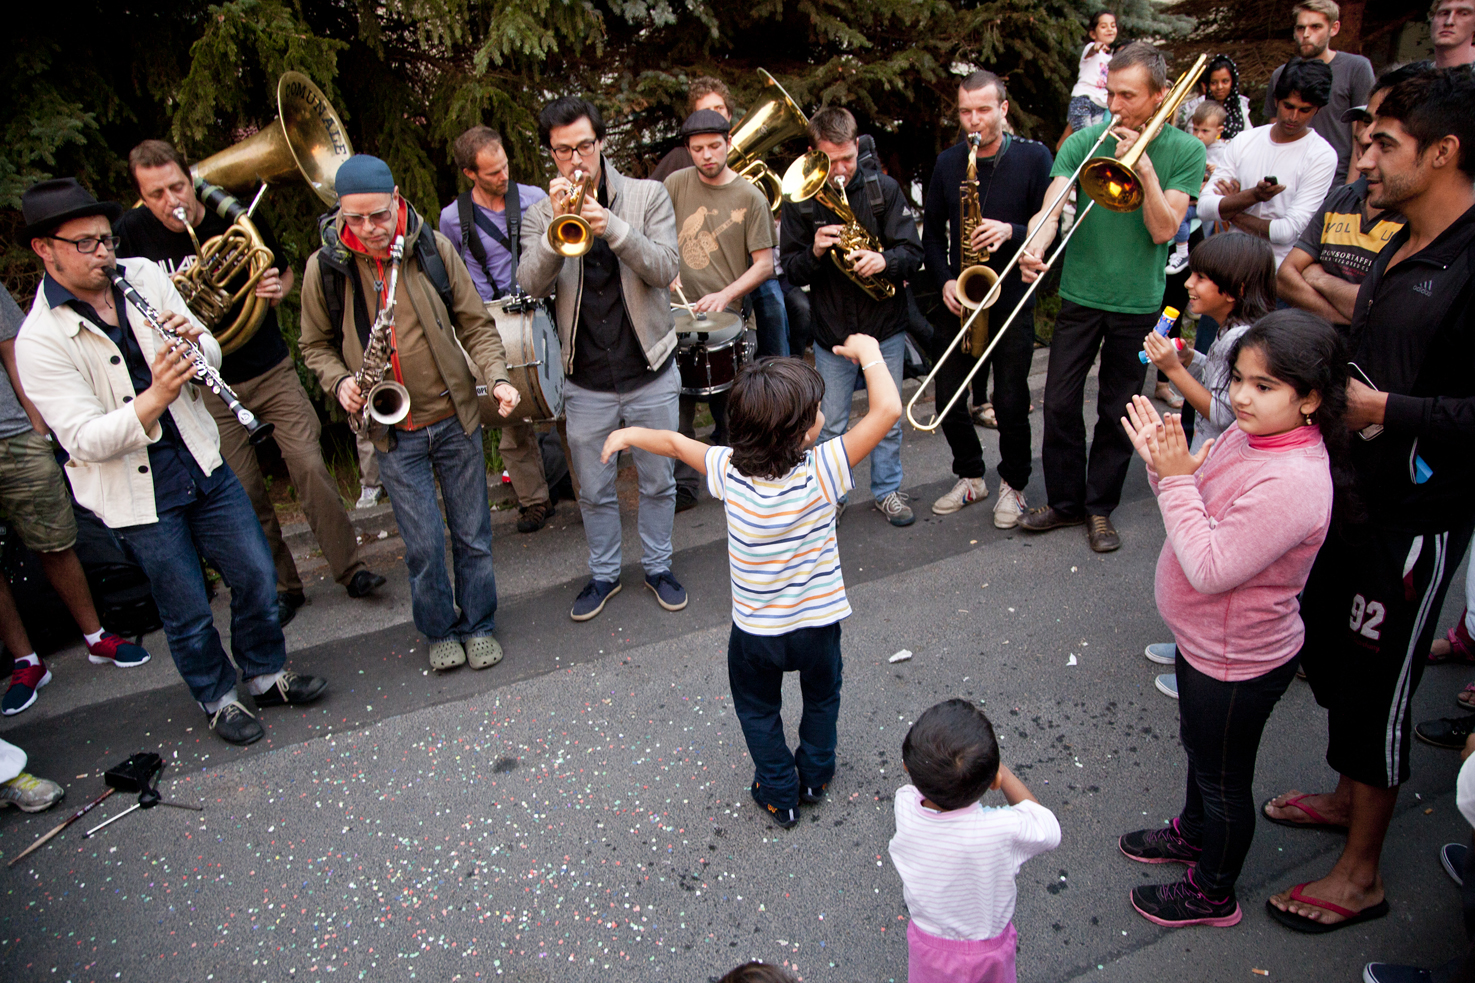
(145, 453)
(1011, 177)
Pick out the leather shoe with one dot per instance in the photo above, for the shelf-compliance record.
(292, 688)
(234, 723)
(1045, 518)
(286, 610)
(1102, 535)
(364, 583)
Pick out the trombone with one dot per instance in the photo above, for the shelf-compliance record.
(1110, 182)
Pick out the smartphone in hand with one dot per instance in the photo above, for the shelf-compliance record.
(1372, 429)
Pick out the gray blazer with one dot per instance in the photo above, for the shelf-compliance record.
(642, 234)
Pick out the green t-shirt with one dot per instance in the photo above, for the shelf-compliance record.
(1112, 264)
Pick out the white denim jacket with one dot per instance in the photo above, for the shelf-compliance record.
(79, 381)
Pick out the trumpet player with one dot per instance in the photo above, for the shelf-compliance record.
(261, 372)
(1111, 291)
(1011, 176)
(809, 230)
(437, 312)
(145, 454)
(618, 338)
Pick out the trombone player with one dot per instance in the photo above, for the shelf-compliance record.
(1009, 187)
(1111, 291)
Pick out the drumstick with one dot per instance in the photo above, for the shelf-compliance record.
(700, 315)
(61, 826)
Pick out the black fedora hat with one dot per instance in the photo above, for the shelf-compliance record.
(47, 204)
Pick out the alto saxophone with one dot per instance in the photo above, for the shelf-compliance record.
(386, 402)
(976, 281)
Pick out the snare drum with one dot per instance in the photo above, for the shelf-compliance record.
(534, 362)
(711, 352)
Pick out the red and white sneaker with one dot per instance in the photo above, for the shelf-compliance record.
(113, 650)
(24, 681)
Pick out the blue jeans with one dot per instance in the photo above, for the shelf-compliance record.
(592, 416)
(755, 670)
(773, 321)
(840, 375)
(220, 525)
(443, 450)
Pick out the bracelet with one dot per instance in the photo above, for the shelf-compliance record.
(879, 361)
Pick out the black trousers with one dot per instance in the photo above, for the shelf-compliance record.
(1075, 485)
(686, 475)
(1220, 725)
(1010, 362)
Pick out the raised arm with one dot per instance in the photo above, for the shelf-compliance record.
(666, 443)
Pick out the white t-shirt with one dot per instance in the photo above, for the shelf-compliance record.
(1307, 167)
(957, 868)
(1092, 80)
(1464, 789)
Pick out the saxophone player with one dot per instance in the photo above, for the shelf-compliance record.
(809, 230)
(437, 312)
(1010, 175)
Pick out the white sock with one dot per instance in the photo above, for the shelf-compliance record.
(1181, 248)
(94, 638)
(260, 684)
(28, 660)
(214, 707)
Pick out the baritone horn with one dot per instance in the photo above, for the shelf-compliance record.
(772, 122)
(1115, 184)
(568, 234)
(306, 140)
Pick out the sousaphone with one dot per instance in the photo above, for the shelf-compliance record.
(305, 141)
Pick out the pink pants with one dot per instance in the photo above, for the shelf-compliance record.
(934, 960)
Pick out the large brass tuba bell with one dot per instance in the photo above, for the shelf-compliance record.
(307, 140)
(774, 121)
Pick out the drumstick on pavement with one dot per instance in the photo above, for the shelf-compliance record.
(61, 826)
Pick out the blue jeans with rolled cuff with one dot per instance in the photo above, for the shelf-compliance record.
(221, 526)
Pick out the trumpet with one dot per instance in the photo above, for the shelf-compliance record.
(568, 234)
(256, 430)
(1110, 182)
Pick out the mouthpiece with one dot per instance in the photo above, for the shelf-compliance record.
(181, 215)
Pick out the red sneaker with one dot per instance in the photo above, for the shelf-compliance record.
(24, 681)
(113, 650)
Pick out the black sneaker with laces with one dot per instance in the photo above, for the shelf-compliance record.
(363, 583)
(1447, 732)
(785, 818)
(685, 499)
(292, 688)
(1182, 904)
(1159, 846)
(812, 796)
(235, 725)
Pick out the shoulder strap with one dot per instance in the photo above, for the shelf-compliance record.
(434, 268)
(870, 168)
(514, 230)
(471, 219)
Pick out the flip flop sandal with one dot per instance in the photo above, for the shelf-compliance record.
(483, 652)
(447, 654)
(1466, 698)
(1318, 821)
(1460, 652)
(1312, 927)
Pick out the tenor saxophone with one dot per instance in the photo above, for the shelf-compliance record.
(386, 402)
(975, 282)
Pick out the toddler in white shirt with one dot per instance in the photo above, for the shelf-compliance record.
(957, 858)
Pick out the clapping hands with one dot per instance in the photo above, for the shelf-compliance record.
(1160, 441)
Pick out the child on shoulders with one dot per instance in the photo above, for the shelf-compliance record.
(958, 858)
(780, 493)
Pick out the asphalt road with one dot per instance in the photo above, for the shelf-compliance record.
(580, 812)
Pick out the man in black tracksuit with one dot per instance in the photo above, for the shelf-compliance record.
(1013, 174)
(842, 308)
(1375, 592)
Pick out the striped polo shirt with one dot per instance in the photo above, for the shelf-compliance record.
(781, 546)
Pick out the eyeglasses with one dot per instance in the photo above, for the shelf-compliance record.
(381, 217)
(87, 245)
(584, 149)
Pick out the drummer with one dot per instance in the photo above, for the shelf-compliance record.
(725, 241)
(483, 224)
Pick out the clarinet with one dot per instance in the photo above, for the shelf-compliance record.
(256, 430)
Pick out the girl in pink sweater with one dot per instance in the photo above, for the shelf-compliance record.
(1245, 517)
